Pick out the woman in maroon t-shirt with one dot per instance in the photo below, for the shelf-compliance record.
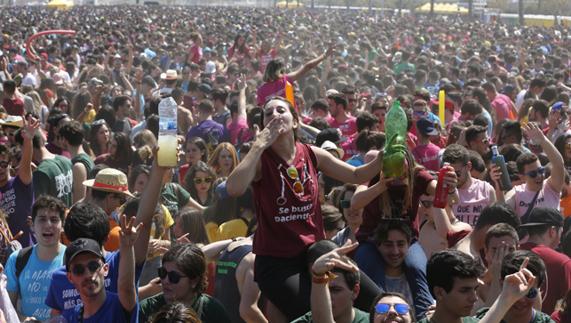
(283, 174)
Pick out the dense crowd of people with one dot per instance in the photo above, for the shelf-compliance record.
(333, 166)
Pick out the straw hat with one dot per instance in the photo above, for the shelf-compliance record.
(169, 75)
(109, 180)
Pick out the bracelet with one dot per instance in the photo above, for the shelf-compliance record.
(323, 278)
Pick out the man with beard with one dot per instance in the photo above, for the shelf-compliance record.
(86, 270)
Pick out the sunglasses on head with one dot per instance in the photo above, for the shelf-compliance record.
(384, 308)
(539, 171)
(92, 266)
(4, 164)
(201, 180)
(174, 277)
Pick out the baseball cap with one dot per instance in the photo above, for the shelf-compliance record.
(426, 127)
(543, 216)
(79, 246)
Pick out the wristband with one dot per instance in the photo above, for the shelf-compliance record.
(323, 278)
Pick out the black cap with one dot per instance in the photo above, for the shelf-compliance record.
(543, 216)
(79, 246)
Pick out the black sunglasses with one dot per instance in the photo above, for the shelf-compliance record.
(92, 266)
(539, 171)
(174, 277)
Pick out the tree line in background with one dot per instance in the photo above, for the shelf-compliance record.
(543, 7)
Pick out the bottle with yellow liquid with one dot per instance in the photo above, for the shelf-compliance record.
(168, 141)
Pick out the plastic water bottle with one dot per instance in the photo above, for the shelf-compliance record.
(168, 141)
(498, 160)
(441, 194)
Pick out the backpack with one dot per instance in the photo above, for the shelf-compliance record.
(22, 259)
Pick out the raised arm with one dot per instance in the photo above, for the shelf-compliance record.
(126, 287)
(299, 73)
(79, 176)
(31, 125)
(250, 168)
(341, 171)
(557, 178)
(147, 205)
(241, 86)
(321, 310)
(515, 287)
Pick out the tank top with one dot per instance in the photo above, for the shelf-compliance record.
(288, 222)
(226, 287)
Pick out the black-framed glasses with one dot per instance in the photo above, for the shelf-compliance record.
(384, 308)
(539, 171)
(173, 276)
(92, 266)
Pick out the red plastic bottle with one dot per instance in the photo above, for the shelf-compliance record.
(441, 194)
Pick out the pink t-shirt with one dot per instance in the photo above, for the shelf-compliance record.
(348, 128)
(239, 131)
(427, 156)
(472, 201)
(522, 198)
(501, 109)
(349, 147)
(271, 89)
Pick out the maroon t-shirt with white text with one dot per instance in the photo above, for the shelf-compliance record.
(287, 222)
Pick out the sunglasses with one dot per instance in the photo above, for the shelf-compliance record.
(93, 266)
(539, 171)
(294, 175)
(4, 164)
(98, 122)
(533, 292)
(206, 180)
(122, 199)
(174, 277)
(345, 204)
(400, 308)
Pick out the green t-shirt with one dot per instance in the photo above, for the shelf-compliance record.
(538, 317)
(404, 67)
(360, 317)
(207, 308)
(85, 160)
(174, 197)
(54, 177)
(466, 319)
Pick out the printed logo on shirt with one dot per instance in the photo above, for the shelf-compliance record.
(8, 201)
(539, 200)
(468, 213)
(294, 213)
(64, 184)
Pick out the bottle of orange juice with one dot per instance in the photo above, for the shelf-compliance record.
(168, 141)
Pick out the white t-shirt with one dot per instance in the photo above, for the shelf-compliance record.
(472, 200)
(522, 197)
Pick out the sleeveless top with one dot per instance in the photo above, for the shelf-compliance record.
(288, 222)
(226, 287)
